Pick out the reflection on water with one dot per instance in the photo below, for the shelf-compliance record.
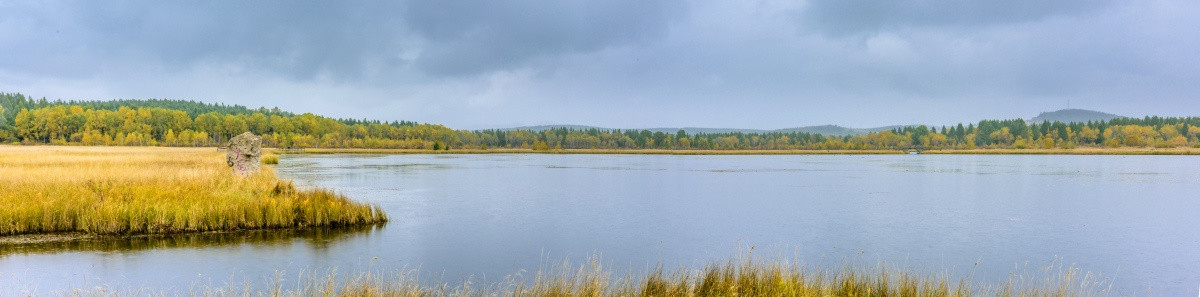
(316, 238)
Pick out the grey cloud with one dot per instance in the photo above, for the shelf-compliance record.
(840, 17)
(300, 40)
(697, 63)
(470, 37)
(372, 41)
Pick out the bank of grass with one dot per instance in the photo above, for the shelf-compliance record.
(735, 278)
(152, 190)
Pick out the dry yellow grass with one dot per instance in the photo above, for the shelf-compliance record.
(150, 190)
(736, 278)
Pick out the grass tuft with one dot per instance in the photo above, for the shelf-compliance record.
(270, 159)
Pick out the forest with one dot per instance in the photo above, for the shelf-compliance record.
(159, 122)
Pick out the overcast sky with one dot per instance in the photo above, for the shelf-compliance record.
(618, 63)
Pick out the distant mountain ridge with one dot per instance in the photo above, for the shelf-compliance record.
(838, 130)
(540, 128)
(1064, 115)
(1073, 115)
(834, 130)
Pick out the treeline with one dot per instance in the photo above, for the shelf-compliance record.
(1160, 132)
(188, 123)
(15, 102)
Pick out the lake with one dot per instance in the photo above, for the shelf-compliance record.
(1132, 219)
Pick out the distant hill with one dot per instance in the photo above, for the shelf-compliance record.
(1073, 115)
(690, 130)
(836, 130)
(832, 130)
(1065, 116)
(541, 128)
(695, 130)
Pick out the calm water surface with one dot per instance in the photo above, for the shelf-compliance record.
(1133, 219)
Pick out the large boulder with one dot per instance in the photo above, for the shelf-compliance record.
(243, 153)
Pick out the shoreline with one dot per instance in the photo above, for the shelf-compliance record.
(76, 236)
(1075, 151)
(1182, 151)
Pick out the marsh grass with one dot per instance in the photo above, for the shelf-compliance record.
(270, 159)
(734, 278)
(150, 190)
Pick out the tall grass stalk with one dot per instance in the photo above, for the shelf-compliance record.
(148, 190)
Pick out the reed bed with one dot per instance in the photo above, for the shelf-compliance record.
(735, 278)
(151, 190)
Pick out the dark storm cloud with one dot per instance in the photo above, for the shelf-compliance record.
(345, 41)
(851, 16)
(469, 37)
(296, 40)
